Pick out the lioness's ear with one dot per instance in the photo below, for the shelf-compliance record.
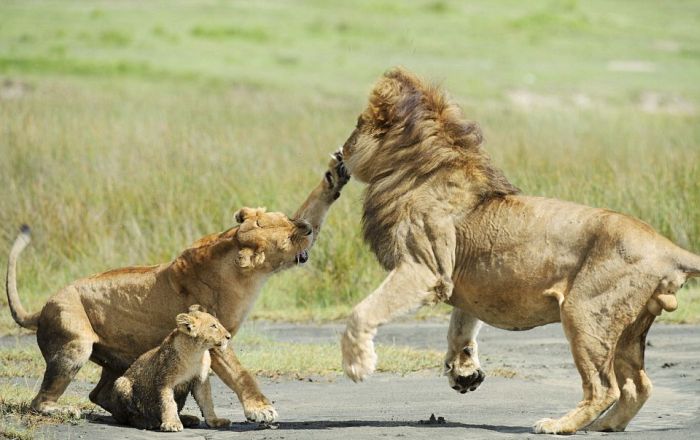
(245, 213)
(185, 323)
(247, 257)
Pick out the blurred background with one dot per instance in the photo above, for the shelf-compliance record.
(128, 129)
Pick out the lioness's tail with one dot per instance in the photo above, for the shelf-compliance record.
(18, 313)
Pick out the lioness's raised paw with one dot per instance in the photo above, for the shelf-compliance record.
(217, 423)
(171, 426)
(359, 358)
(260, 412)
(337, 175)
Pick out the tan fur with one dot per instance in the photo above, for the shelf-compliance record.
(115, 317)
(152, 392)
(449, 226)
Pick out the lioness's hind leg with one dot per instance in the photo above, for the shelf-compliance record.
(635, 386)
(61, 368)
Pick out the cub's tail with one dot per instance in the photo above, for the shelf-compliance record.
(18, 313)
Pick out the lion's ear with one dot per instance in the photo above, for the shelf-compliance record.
(383, 99)
(186, 324)
(247, 257)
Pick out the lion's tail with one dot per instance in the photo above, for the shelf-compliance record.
(18, 313)
(689, 263)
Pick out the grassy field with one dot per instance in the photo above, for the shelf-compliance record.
(129, 129)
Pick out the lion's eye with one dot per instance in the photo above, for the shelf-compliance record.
(213, 326)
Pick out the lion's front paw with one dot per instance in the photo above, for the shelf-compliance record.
(552, 426)
(337, 175)
(171, 426)
(218, 423)
(260, 412)
(359, 358)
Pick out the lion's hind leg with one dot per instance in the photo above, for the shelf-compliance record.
(593, 355)
(635, 386)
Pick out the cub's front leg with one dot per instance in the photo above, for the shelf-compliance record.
(169, 419)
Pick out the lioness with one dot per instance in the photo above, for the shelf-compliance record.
(114, 317)
(450, 227)
(152, 392)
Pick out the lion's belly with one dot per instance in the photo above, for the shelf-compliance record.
(505, 307)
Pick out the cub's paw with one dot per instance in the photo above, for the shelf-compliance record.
(260, 412)
(337, 175)
(359, 358)
(172, 426)
(189, 421)
(218, 423)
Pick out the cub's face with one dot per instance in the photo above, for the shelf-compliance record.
(270, 241)
(204, 328)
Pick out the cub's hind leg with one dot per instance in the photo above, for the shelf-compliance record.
(635, 386)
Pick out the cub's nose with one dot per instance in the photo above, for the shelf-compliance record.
(303, 227)
(228, 335)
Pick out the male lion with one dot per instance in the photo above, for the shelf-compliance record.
(152, 392)
(450, 227)
(114, 317)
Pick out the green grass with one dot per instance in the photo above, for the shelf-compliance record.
(129, 129)
(19, 422)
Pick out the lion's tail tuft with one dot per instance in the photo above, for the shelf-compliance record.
(18, 313)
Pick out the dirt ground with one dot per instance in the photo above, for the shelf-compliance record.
(386, 406)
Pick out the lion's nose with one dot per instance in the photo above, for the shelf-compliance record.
(228, 336)
(303, 227)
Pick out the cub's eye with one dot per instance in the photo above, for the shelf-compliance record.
(213, 326)
(257, 223)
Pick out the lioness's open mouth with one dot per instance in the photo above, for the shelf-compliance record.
(302, 257)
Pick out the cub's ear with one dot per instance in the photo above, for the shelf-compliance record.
(247, 257)
(186, 324)
(197, 308)
(245, 213)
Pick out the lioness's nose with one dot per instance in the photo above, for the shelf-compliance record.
(303, 226)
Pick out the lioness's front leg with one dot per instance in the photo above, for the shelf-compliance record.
(462, 366)
(407, 287)
(316, 205)
(256, 406)
(202, 394)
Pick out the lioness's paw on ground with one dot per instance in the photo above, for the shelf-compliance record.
(337, 175)
(359, 358)
(552, 426)
(260, 412)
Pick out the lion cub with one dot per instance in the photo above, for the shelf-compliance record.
(152, 392)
